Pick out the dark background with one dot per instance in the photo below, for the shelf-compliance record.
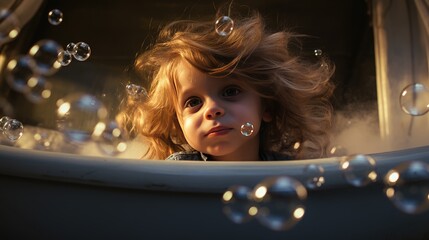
(118, 30)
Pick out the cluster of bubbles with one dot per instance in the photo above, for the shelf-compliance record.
(27, 73)
(11, 128)
(277, 202)
(80, 51)
(82, 117)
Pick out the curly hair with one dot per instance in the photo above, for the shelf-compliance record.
(295, 91)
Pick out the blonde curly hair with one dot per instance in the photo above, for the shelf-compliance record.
(295, 92)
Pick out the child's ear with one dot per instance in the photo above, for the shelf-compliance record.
(266, 116)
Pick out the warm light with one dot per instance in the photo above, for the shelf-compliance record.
(393, 177)
(345, 165)
(57, 65)
(372, 175)
(404, 93)
(34, 50)
(227, 196)
(298, 213)
(116, 132)
(260, 192)
(37, 137)
(13, 33)
(32, 82)
(121, 147)
(64, 109)
(12, 64)
(46, 93)
(296, 145)
(99, 129)
(253, 211)
(390, 192)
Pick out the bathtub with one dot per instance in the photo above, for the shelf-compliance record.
(54, 195)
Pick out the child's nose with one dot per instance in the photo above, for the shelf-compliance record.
(214, 110)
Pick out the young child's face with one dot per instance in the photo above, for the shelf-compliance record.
(211, 112)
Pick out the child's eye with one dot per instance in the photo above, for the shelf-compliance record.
(192, 102)
(231, 91)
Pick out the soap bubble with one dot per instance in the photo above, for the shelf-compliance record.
(414, 99)
(70, 48)
(314, 175)
(64, 58)
(407, 186)
(45, 54)
(111, 139)
(55, 17)
(224, 26)
(78, 115)
(82, 51)
(19, 71)
(358, 170)
(39, 89)
(280, 202)
(247, 129)
(9, 26)
(11, 128)
(238, 206)
(135, 91)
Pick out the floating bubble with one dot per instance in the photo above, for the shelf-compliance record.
(358, 170)
(64, 58)
(39, 90)
(9, 26)
(136, 91)
(407, 186)
(414, 99)
(280, 202)
(82, 51)
(19, 71)
(55, 17)
(78, 115)
(318, 52)
(45, 54)
(111, 139)
(314, 175)
(12, 129)
(70, 48)
(338, 151)
(238, 206)
(224, 26)
(247, 129)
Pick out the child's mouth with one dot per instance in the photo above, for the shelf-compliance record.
(218, 131)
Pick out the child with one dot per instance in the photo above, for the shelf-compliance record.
(203, 86)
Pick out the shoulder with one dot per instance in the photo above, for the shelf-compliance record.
(274, 156)
(186, 155)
